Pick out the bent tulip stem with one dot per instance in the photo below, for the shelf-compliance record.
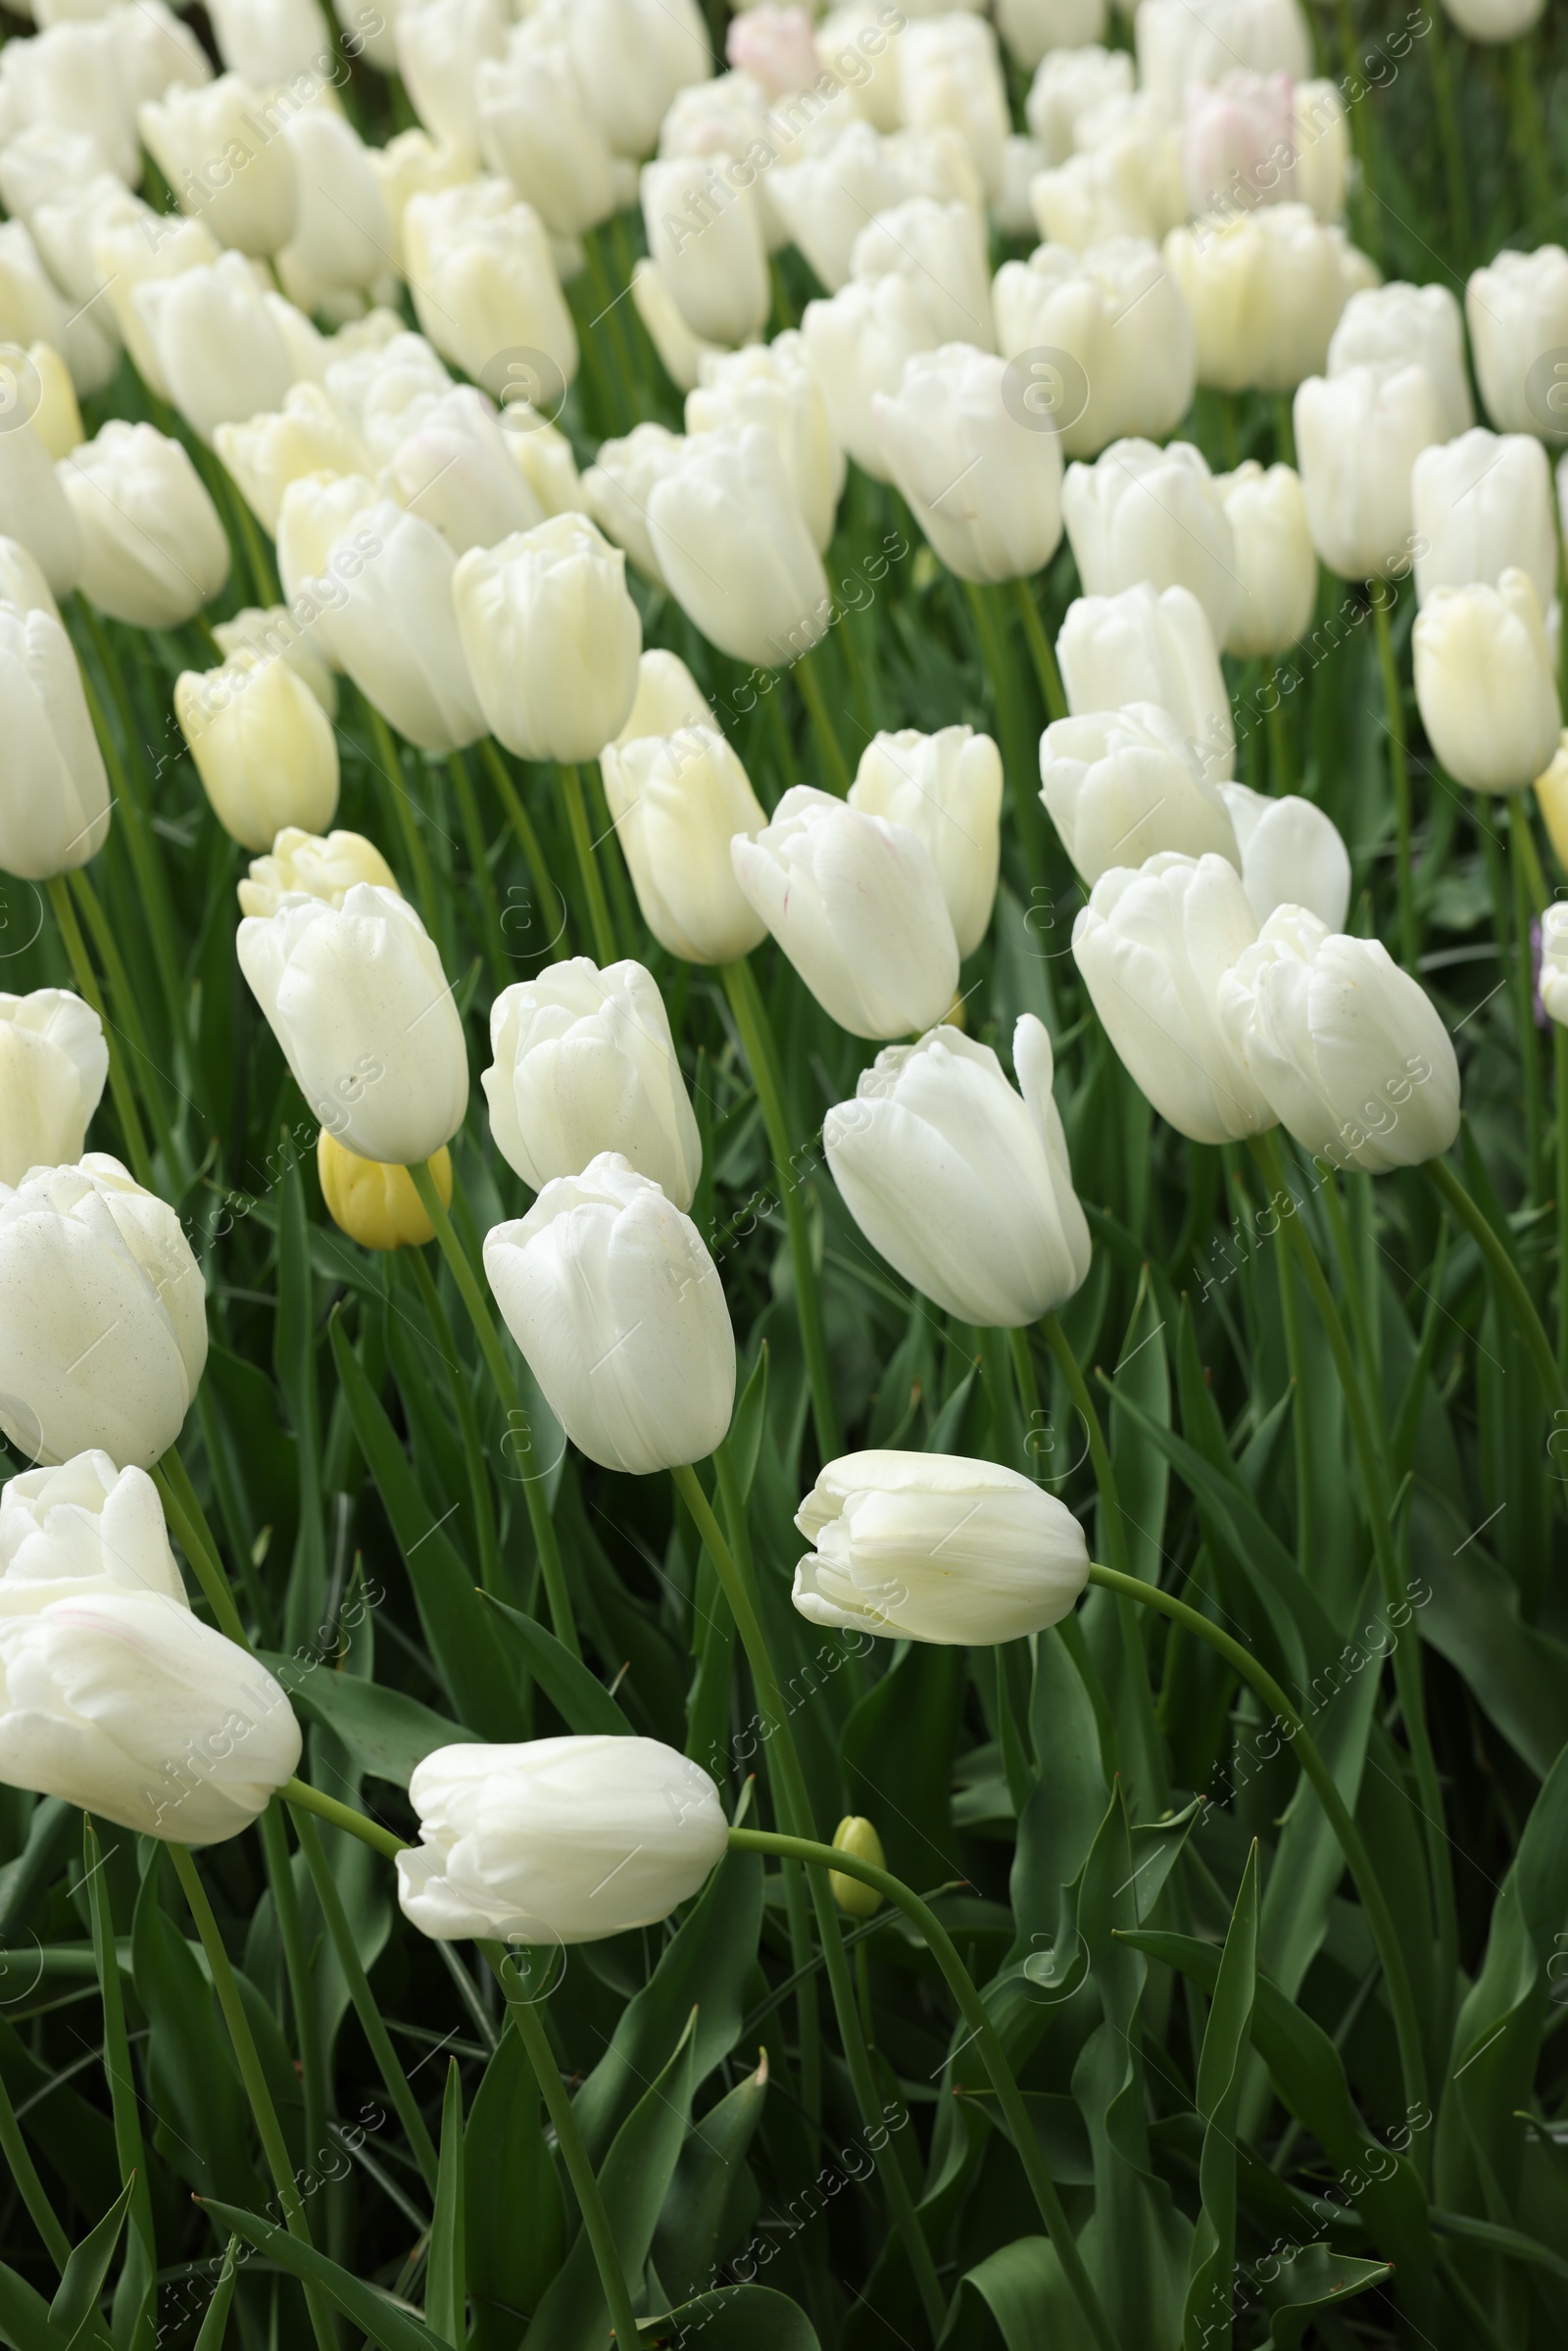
(495, 1355)
(808, 678)
(1358, 1861)
(1399, 776)
(977, 2017)
(582, 841)
(88, 981)
(301, 1794)
(1505, 1272)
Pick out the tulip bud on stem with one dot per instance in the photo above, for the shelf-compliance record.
(1399, 776)
(582, 841)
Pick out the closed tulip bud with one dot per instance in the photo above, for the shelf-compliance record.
(1552, 982)
(1121, 785)
(267, 453)
(552, 638)
(775, 47)
(1552, 799)
(985, 486)
(113, 1694)
(933, 1547)
(218, 347)
(667, 698)
(1116, 313)
(1265, 290)
(392, 626)
(1517, 309)
(1151, 947)
(71, 76)
(53, 1064)
(341, 246)
(1145, 513)
(54, 793)
(1074, 78)
(1124, 181)
(213, 147)
(618, 484)
(857, 1836)
(441, 45)
(57, 419)
(705, 233)
(607, 1290)
(678, 800)
(1141, 646)
(1238, 141)
(947, 788)
(857, 345)
(1357, 436)
(1276, 561)
(262, 745)
(584, 1063)
(1179, 42)
(1495, 19)
(268, 40)
(490, 257)
(42, 161)
(537, 130)
(1486, 685)
(733, 545)
(358, 1000)
(31, 309)
(412, 163)
(963, 1185)
(154, 551)
(772, 385)
(855, 904)
(65, 228)
(680, 352)
(557, 1840)
(543, 456)
(1292, 854)
(1320, 136)
(129, 260)
(1389, 326)
(941, 250)
(21, 580)
(1482, 506)
(315, 513)
(454, 470)
(1350, 1051)
(373, 1201)
(33, 506)
(302, 865)
(949, 74)
(825, 198)
(103, 1316)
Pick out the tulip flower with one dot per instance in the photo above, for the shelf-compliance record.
(855, 904)
(490, 258)
(537, 129)
(1265, 290)
(301, 865)
(72, 77)
(773, 46)
(552, 638)
(1145, 513)
(315, 514)
(1276, 561)
(680, 352)
(667, 698)
(731, 541)
(112, 1695)
(373, 1201)
(1151, 946)
(1482, 506)
(268, 40)
(409, 164)
(217, 344)
(65, 228)
(729, 124)
(32, 310)
(1122, 358)
(1199, 40)
(949, 74)
(772, 385)
(53, 1064)
(154, 551)
(678, 799)
(705, 234)
(543, 456)
(357, 998)
(22, 581)
(607, 1290)
(947, 788)
(1074, 78)
(933, 1547)
(618, 484)
(383, 390)
(984, 485)
(557, 1840)
(275, 635)
(961, 1185)
(1121, 785)
(1552, 983)
(57, 419)
(584, 1063)
(1239, 141)
(857, 345)
(1357, 436)
(214, 148)
(826, 198)
(1320, 136)
(273, 450)
(941, 250)
(1517, 309)
(54, 793)
(1485, 684)
(262, 745)
(1495, 19)
(441, 45)
(33, 506)
(634, 56)
(42, 161)
(103, 1315)
(1144, 647)
(455, 470)
(1292, 854)
(1349, 1051)
(389, 620)
(341, 247)
(129, 260)
(1389, 326)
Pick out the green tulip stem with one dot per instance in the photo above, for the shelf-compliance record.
(152, 878)
(795, 1804)
(88, 981)
(484, 1516)
(982, 2031)
(1520, 858)
(484, 881)
(371, 1833)
(297, 1967)
(273, 2144)
(188, 1521)
(1040, 650)
(1016, 737)
(394, 2079)
(1398, 773)
(522, 825)
(1529, 133)
(407, 815)
(807, 675)
(1454, 162)
(1500, 1265)
(761, 1052)
(1281, 765)
(524, 2014)
(129, 1011)
(1380, 1918)
(582, 841)
(517, 1424)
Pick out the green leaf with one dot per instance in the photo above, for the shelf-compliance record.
(745, 1440)
(191, 2073)
(385, 1730)
(445, 2291)
(1058, 1826)
(1313, 2275)
(1143, 1471)
(74, 2308)
(578, 1697)
(216, 2322)
(137, 2283)
(24, 2321)
(897, 1750)
(514, 2205)
(733, 2318)
(387, 2324)
(1517, 1673)
(294, 1361)
(1212, 2260)
(1028, 2298)
(703, 2214)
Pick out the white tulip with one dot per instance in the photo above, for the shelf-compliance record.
(1145, 513)
(357, 998)
(1348, 1050)
(218, 347)
(1141, 646)
(33, 507)
(1495, 19)
(392, 626)
(263, 748)
(634, 56)
(54, 793)
(66, 229)
(732, 543)
(667, 698)
(680, 352)
(934, 1546)
(773, 46)
(1072, 81)
(32, 311)
(341, 248)
(705, 234)
(1357, 436)
(552, 638)
(128, 257)
(21, 580)
(220, 150)
(43, 164)
(1552, 983)
(382, 391)
(1485, 683)
(1292, 854)
(305, 865)
(607, 1290)
(1125, 179)
(773, 384)
(1517, 309)
(824, 199)
(542, 454)
(53, 1064)
(949, 74)
(1238, 141)
(947, 788)
(557, 1840)
(103, 1315)
(154, 551)
(537, 130)
(620, 483)
(1023, 159)
(269, 40)
(484, 278)
(441, 45)
(855, 904)
(1276, 561)
(1121, 785)
(1102, 338)
(270, 449)
(984, 482)
(585, 1062)
(941, 250)
(72, 77)
(454, 470)
(677, 800)
(1151, 946)
(1389, 326)
(857, 344)
(315, 513)
(1198, 40)
(1481, 506)
(1265, 290)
